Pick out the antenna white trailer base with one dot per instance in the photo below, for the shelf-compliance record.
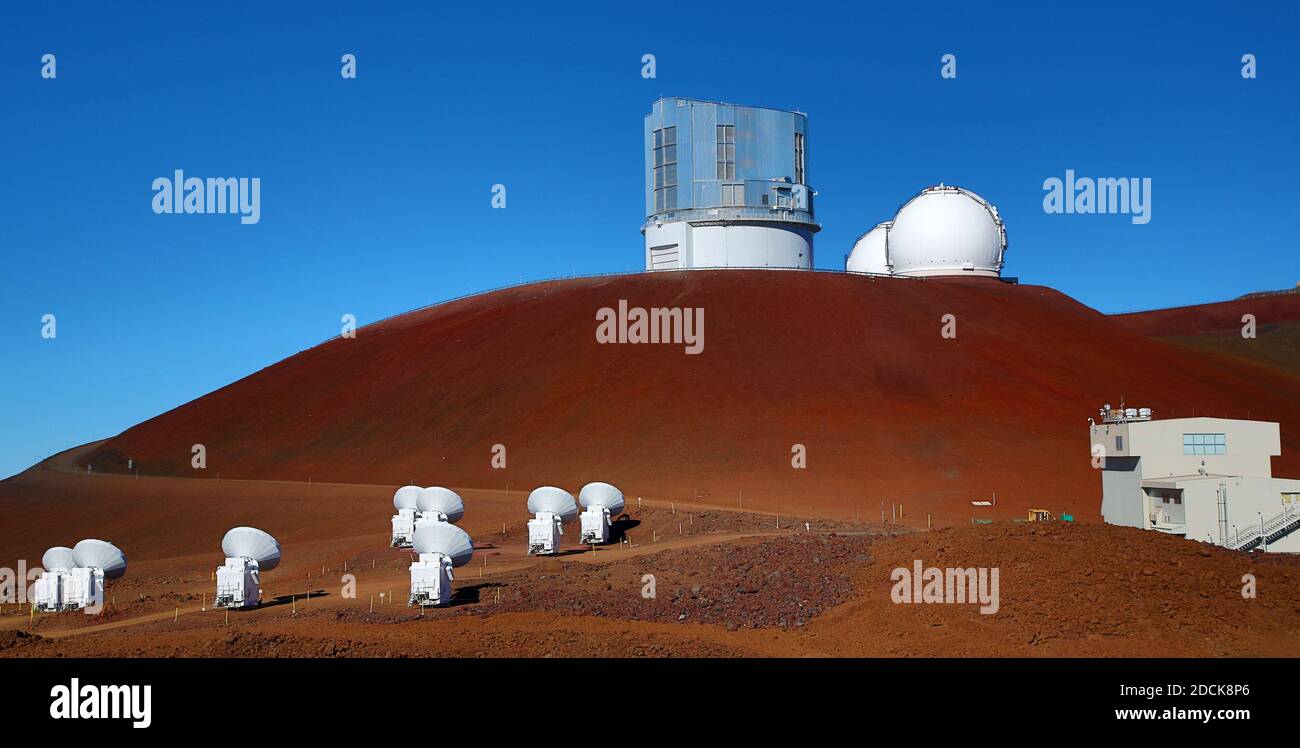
(544, 533)
(96, 560)
(47, 594)
(239, 584)
(249, 551)
(431, 578)
(403, 528)
(595, 526)
(83, 588)
(601, 501)
(441, 546)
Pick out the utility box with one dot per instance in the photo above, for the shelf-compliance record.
(403, 528)
(238, 584)
(47, 593)
(431, 578)
(595, 526)
(544, 533)
(83, 588)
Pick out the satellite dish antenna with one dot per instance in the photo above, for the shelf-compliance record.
(442, 547)
(601, 495)
(249, 551)
(601, 500)
(98, 554)
(406, 497)
(448, 540)
(58, 558)
(442, 504)
(552, 508)
(554, 500)
(405, 500)
(94, 562)
(253, 544)
(48, 591)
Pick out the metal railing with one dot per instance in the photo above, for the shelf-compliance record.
(1269, 531)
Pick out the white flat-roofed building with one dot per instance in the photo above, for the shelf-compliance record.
(1208, 479)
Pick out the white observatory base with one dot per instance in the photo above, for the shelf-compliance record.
(431, 579)
(47, 594)
(544, 533)
(403, 528)
(238, 584)
(680, 245)
(595, 526)
(83, 588)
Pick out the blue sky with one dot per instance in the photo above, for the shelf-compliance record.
(376, 191)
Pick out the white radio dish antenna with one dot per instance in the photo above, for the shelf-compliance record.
(449, 540)
(442, 500)
(554, 500)
(58, 558)
(602, 495)
(250, 542)
(406, 497)
(98, 554)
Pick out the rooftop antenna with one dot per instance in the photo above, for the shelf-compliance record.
(405, 501)
(551, 507)
(441, 546)
(249, 551)
(48, 592)
(601, 501)
(96, 561)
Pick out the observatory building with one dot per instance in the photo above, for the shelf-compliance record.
(726, 186)
(1207, 479)
(944, 230)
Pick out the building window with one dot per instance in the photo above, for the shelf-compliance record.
(665, 169)
(799, 159)
(733, 195)
(726, 151)
(1205, 444)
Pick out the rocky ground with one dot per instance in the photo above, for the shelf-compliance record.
(1065, 590)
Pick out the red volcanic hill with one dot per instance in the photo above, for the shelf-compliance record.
(1218, 328)
(852, 368)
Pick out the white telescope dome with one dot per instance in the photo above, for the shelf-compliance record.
(442, 500)
(406, 497)
(868, 255)
(58, 558)
(602, 494)
(554, 500)
(449, 540)
(946, 231)
(250, 542)
(98, 554)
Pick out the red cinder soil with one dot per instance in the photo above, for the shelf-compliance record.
(1064, 590)
(1217, 328)
(1069, 590)
(852, 368)
(1217, 317)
